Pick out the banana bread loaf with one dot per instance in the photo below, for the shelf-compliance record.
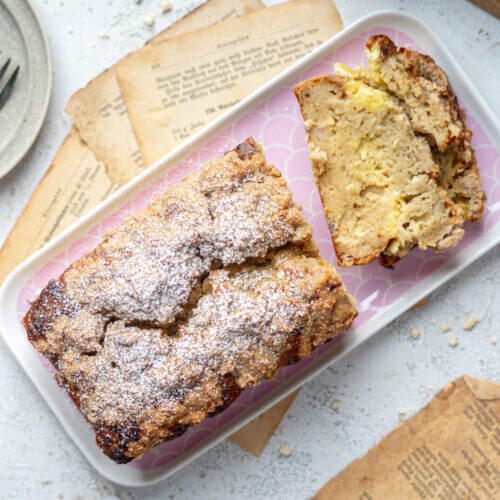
(207, 291)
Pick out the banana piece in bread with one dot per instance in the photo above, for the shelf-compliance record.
(377, 179)
(426, 95)
(207, 291)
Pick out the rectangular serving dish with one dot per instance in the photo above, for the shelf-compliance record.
(272, 117)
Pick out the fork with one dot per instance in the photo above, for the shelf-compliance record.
(7, 89)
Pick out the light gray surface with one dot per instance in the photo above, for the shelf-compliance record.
(390, 373)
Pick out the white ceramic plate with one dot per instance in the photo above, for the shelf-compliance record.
(23, 40)
(271, 115)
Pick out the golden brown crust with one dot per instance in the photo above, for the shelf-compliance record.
(207, 291)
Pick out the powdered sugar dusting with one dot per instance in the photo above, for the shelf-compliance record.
(147, 269)
(209, 290)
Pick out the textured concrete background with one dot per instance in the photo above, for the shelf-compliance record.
(390, 373)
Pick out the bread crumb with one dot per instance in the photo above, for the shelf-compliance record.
(414, 334)
(446, 327)
(138, 1)
(166, 7)
(105, 35)
(452, 340)
(493, 340)
(335, 405)
(471, 321)
(149, 20)
(286, 450)
(283, 429)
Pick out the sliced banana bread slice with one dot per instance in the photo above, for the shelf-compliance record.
(378, 181)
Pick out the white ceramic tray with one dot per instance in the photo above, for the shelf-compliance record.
(272, 116)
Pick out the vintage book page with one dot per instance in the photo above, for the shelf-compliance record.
(182, 93)
(98, 110)
(100, 115)
(211, 12)
(255, 435)
(449, 449)
(74, 183)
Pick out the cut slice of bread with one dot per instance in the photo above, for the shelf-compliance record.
(378, 181)
(426, 95)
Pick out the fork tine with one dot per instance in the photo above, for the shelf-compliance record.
(3, 69)
(4, 94)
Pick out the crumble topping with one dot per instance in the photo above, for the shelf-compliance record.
(207, 291)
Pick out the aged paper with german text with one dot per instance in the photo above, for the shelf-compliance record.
(174, 88)
(448, 450)
(98, 110)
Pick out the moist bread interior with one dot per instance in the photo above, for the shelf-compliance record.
(391, 156)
